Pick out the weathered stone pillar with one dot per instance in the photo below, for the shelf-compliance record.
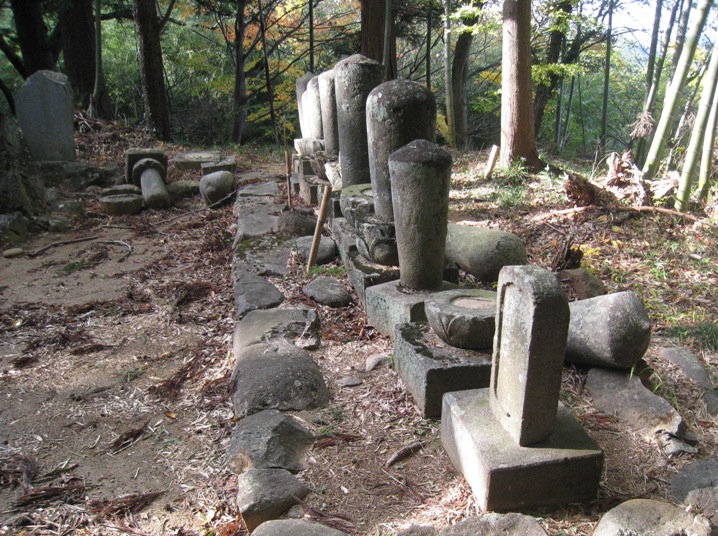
(420, 174)
(302, 82)
(328, 97)
(397, 112)
(312, 110)
(354, 78)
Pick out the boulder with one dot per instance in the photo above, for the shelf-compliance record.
(299, 326)
(276, 375)
(326, 252)
(697, 475)
(216, 188)
(483, 252)
(254, 292)
(608, 331)
(296, 224)
(265, 494)
(328, 291)
(647, 516)
(268, 440)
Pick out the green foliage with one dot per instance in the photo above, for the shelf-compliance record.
(704, 334)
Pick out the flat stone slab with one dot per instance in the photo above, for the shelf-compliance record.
(265, 494)
(259, 189)
(256, 222)
(228, 163)
(695, 371)
(295, 527)
(255, 292)
(276, 375)
(121, 204)
(430, 368)
(264, 255)
(268, 440)
(648, 516)
(697, 475)
(503, 476)
(388, 304)
(327, 291)
(195, 159)
(298, 326)
(295, 223)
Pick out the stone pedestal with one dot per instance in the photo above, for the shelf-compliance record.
(354, 78)
(398, 112)
(430, 368)
(390, 304)
(564, 468)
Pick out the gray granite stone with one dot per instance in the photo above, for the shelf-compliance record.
(696, 475)
(195, 159)
(265, 494)
(301, 87)
(496, 524)
(254, 292)
(648, 516)
(326, 252)
(328, 98)
(135, 154)
(295, 527)
(216, 188)
(465, 318)
(298, 326)
(327, 291)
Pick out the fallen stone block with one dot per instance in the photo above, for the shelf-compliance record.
(327, 291)
(265, 494)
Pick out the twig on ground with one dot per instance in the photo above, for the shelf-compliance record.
(120, 243)
(60, 243)
(125, 504)
(405, 452)
(128, 438)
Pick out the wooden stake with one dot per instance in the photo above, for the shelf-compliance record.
(288, 169)
(491, 162)
(320, 224)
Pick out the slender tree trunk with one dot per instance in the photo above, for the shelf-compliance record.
(267, 77)
(517, 128)
(311, 36)
(239, 112)
(373, 19)
(77, 35)
(459, 77)
(448, 79)
(698, 134)
(654, 45)
(673, 91)
(681, 33)
(704, 176)
(100, 105)
(428, 48)
(157, 108)
(569, 106)
(606, 82)
(559, 111)
(32, 36)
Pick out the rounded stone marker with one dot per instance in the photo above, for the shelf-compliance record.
(301, 85)
(354, 78)
(463, 318)
(397, 112)
(312, 110)
(328, 98)
(121, 205)
(420, 175)
(143, 165)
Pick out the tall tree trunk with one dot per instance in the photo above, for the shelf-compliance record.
(428, 48)
(673, 91)
(545, 91)
(606, 82)
(704, 176)
(373, 17)
(681, 32)
(239, 111)
(448, 79)
(692, 160)
(517, 128)
(32, 36)
(152, 71)
(100, 105)
(654, 45)
(569, 106)
(77, 35)
(459, 77)
(267, 74)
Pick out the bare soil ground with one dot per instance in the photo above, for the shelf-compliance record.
(114, 372)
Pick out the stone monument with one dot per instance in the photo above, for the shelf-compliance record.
(354, 78)
(45, 115)
(328, 98)
(515, 443)
(312, 111)
(302, 83)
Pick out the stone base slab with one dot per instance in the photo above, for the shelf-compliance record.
(430, 368)
(388, 304)
(364, 274)
(503, 476)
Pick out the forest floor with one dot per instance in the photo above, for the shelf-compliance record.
(114, 367)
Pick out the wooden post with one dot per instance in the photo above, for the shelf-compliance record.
(288, 169)
(491, 162)
(324, 207)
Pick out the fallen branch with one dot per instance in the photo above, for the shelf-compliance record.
(122, 505)
(72, 491)
(119, 243)
(60, 243)
(129, 438)
(405, 452)
(660, 210)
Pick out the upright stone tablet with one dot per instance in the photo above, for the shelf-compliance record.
(45, 115)
(531, 330)
(420, 174)
(302, 83)
(397, 112)
(312, 110)
(330, 127)
(354, 78)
